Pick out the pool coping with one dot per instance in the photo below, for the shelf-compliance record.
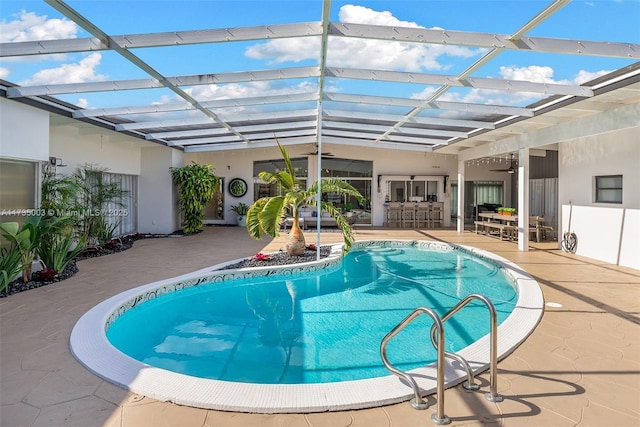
(90, 346)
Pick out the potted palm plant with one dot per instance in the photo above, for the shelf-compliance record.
(241, 210)
(267, 214)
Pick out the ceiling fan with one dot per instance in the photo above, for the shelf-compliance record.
(315, 153)
(511, 169)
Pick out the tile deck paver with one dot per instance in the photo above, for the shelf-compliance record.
(580, 367)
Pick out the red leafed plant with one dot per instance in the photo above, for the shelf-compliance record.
(261, 257)
(48, 274)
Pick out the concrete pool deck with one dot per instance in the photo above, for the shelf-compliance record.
(581, 366)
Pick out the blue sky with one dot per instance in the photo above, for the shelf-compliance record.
(614, 21)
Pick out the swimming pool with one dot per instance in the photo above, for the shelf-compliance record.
(323, 310)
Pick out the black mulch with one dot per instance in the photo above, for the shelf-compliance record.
(280, 258)
(126, 242)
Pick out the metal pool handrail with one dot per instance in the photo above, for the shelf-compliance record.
(417, 401)
(437, 339)
(493, 395)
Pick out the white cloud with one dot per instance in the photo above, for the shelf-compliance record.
(83, 103)
(246, 90)
(83, 71)
(544, 74)
(285, 50)
(532, 73)
(363, 53)
(363, 15)
(29, 27)
(585, 76)
(4, 72)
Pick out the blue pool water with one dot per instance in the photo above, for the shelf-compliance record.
(316, 327)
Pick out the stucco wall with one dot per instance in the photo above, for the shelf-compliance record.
(605, 231)
(24, 131)
(93, 146)
(157, 199)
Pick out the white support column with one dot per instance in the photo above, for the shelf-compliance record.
(523, 199)
(460, 219)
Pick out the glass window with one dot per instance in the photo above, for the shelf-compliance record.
(17, 188)
(261, 189)
(608, 189)
(346, 168)
(214, 210)
(274, 166)
(123, 211)
(411, 190)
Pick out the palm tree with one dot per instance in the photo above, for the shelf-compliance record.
(267, 214)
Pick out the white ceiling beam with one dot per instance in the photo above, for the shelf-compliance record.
(406, 131)
(134, 109)
(243, 119)
(336, 29)
(382, 144)
(163, 124)
(230, 118)
(152, 83)
(439, 105)
(246, 76)
(50, 47)
(486, 40)
(455, 81)
(174, 38)
(333, 114)
(374, 137)
(181, 106)
(219, 131)
(270, 143)
(233, 138)
(177, 38)
(465, 107)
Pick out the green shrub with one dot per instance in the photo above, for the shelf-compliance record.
(10, 265)
(197, 185)
(27, 239)
(57, 250)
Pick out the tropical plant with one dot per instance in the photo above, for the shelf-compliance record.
(10, 265)
(27, 238)
(240, 208)
(57, 249)
(96, 193)
(106, 232)
(197, 185)
(57, 192)
(267, 214)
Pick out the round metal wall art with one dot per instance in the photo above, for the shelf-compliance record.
(238, 187)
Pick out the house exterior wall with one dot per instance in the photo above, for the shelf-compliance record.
(157, 196)
(604, 231)
(24, 131)
(239, 164)
(97, 147)
(157, 211)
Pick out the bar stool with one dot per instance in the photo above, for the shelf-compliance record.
(409, 215)
(394, 214)
(437, 214)
(422, 215)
